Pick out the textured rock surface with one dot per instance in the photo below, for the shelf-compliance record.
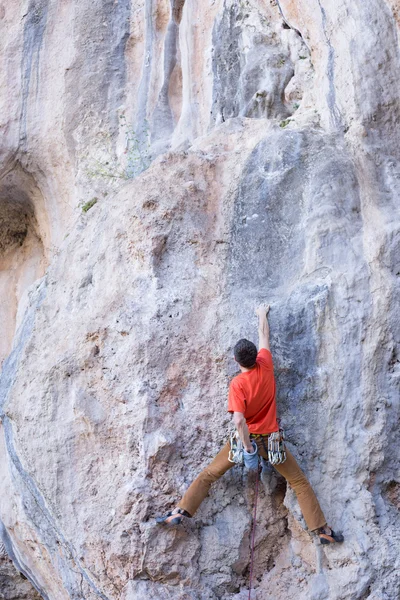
(13, 586)
(271, 129)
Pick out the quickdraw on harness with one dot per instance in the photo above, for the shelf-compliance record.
(276, 447)
(236, 452)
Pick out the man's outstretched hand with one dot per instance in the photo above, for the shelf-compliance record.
(262, 310)
(263, 327)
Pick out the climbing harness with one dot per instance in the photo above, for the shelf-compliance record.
(276, 447)
(236, 452)
(253, 534)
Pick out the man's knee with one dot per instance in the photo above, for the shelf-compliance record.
(299, 482)
(210, 475)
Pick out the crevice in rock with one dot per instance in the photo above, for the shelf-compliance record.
(14, 585)
(177, 8)
(366, 594)
(330, 71)
(16, 570)
(287, 25)
(392, 493)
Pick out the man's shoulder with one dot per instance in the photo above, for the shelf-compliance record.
(264, 357)
(263, 352)
(236, 380)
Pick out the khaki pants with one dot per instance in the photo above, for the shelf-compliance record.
(290, 470)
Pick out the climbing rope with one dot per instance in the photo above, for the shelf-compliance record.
(253, 535)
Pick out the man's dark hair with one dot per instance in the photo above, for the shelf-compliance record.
(245, 353)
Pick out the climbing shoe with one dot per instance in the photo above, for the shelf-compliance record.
(329, 538)
(173, 518)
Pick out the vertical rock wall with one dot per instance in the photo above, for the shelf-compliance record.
(267, 131)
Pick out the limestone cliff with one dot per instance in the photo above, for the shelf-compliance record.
(164, 166)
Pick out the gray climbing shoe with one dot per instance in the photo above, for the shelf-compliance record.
(173, 518)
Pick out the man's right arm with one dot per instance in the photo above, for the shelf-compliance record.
(263, 326)
(241, 426)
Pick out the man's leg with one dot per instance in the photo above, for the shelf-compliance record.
(201, 485)
(309, 505)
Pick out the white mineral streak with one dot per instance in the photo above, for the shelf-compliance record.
(272, 132)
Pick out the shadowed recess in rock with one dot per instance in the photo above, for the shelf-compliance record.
(23, 255)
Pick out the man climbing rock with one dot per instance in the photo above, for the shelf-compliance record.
(252, 402)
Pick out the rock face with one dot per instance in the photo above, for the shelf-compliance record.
(13, 586)
(164, 166)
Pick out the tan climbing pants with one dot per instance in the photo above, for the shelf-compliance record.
(290, 470)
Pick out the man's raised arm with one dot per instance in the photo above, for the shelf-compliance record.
(263, 327)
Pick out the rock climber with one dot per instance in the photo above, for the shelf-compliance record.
(251, 400)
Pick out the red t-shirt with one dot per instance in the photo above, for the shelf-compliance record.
(253, 394)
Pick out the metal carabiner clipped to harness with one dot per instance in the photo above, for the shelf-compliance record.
(276, 447)
(236, 451)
